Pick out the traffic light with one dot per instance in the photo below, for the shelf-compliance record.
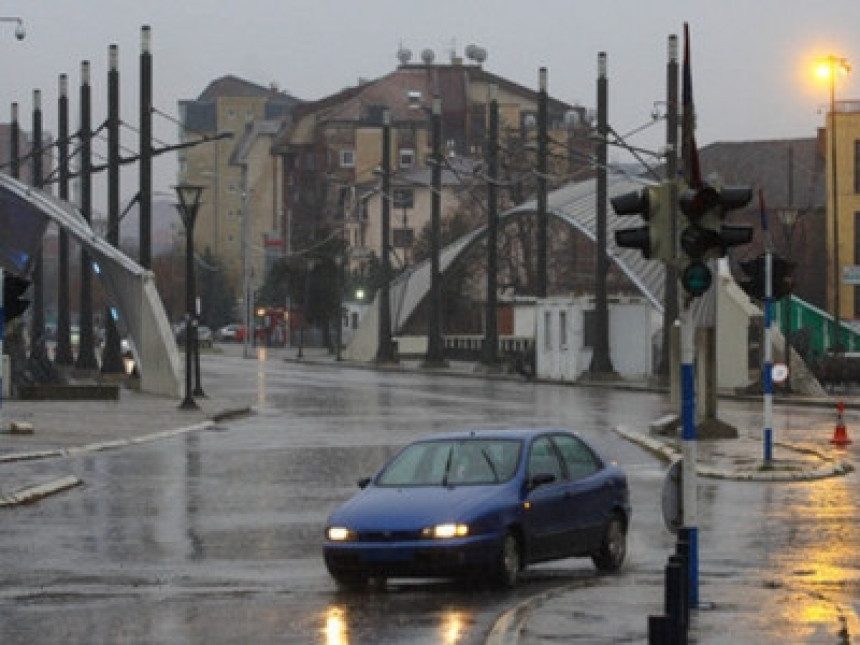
(654, 205)
(781, 277)
(14, 303)
(704, 236)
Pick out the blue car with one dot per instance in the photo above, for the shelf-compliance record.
(481, 504)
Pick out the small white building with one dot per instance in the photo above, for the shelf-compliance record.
(565, 331)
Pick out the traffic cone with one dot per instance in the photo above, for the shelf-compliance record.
(840, 434)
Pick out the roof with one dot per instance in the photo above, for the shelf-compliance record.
(790, 172)
(233, 86)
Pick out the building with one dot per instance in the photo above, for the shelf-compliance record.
(332, 150)
(235, 109)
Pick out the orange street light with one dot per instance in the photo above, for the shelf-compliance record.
(827, 69)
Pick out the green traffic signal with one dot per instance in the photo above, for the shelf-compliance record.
(696, 278)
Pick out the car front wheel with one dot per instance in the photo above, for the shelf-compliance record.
(509, 562)
(613, 548)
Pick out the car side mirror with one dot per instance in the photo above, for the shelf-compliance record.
(541, 479)
(363, 482)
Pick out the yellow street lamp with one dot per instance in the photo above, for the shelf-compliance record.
(828, 68)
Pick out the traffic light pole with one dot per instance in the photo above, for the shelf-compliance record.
(689, 451)
(767, 367)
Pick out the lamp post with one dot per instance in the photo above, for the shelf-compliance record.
(189, 203)
(788, 217)
(828, 68)
(338, 280)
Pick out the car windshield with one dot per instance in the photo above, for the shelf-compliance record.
(453, 462)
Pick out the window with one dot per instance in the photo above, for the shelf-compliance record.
(347, 158)
(407, 157)
(578, 458)
(562, 329)
(547, 329)
(857, 166)
(543, 459)
(403, 237)
(589, 321)
(403, 198)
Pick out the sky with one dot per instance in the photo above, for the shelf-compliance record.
(752, 60)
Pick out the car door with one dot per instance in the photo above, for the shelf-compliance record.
(545, 519)
(588, 494)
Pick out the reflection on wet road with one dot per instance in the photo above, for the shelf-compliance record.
(216, 536)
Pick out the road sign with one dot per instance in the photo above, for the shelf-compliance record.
(779, 372)
(851, 274)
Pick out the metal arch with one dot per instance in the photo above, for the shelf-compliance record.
(574, 205)
(129, 287)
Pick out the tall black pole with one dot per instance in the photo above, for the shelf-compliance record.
(385, 351)
(491, 331)
(86, 349)
(542, 217)
(435, 347)
(37, 322)
(15, 141)
(145, 166)
(63, 355)
(189, 203)
(670, 297)
(112, 362)
(600, 361)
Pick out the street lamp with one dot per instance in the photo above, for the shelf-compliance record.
(828, 69)
(20, 32)
(788, 217)
(189, 203)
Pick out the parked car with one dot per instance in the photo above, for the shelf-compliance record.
(204, 335)
(478, 504)
(232, 333)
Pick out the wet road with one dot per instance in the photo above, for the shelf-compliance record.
(215, 536)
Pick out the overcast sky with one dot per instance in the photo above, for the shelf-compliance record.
(752, 59)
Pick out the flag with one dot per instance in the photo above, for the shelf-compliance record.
(689, 152)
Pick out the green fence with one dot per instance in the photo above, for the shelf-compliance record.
(812, 328)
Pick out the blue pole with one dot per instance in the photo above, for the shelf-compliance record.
(689, 451)
(767, 367)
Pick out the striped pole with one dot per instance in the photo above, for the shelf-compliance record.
(689, 452)
(767, 367)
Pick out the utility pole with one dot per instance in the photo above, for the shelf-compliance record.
(63, 354)
(86, 349)
(601, 364)
(112, 362)
(435, 347)
(37, 322)
(542, 217)
(145, 166)
(491, 335)
(385, 349)
(670, 295)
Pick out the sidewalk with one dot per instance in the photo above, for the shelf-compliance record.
(56, 429)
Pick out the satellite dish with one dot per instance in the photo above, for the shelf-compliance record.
(428, 56)
(475, 53)
(404, 55)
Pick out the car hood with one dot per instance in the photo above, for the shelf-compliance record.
(415, 508)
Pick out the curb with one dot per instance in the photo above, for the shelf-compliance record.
(33, 494)
(831, 467)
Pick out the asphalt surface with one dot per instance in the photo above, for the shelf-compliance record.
(49, 431)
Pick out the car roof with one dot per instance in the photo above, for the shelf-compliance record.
(496, 433)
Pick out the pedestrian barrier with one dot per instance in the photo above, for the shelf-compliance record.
(840, 433)
(672, 628)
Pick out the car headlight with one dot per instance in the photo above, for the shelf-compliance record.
(340, 534)
(445, 531)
